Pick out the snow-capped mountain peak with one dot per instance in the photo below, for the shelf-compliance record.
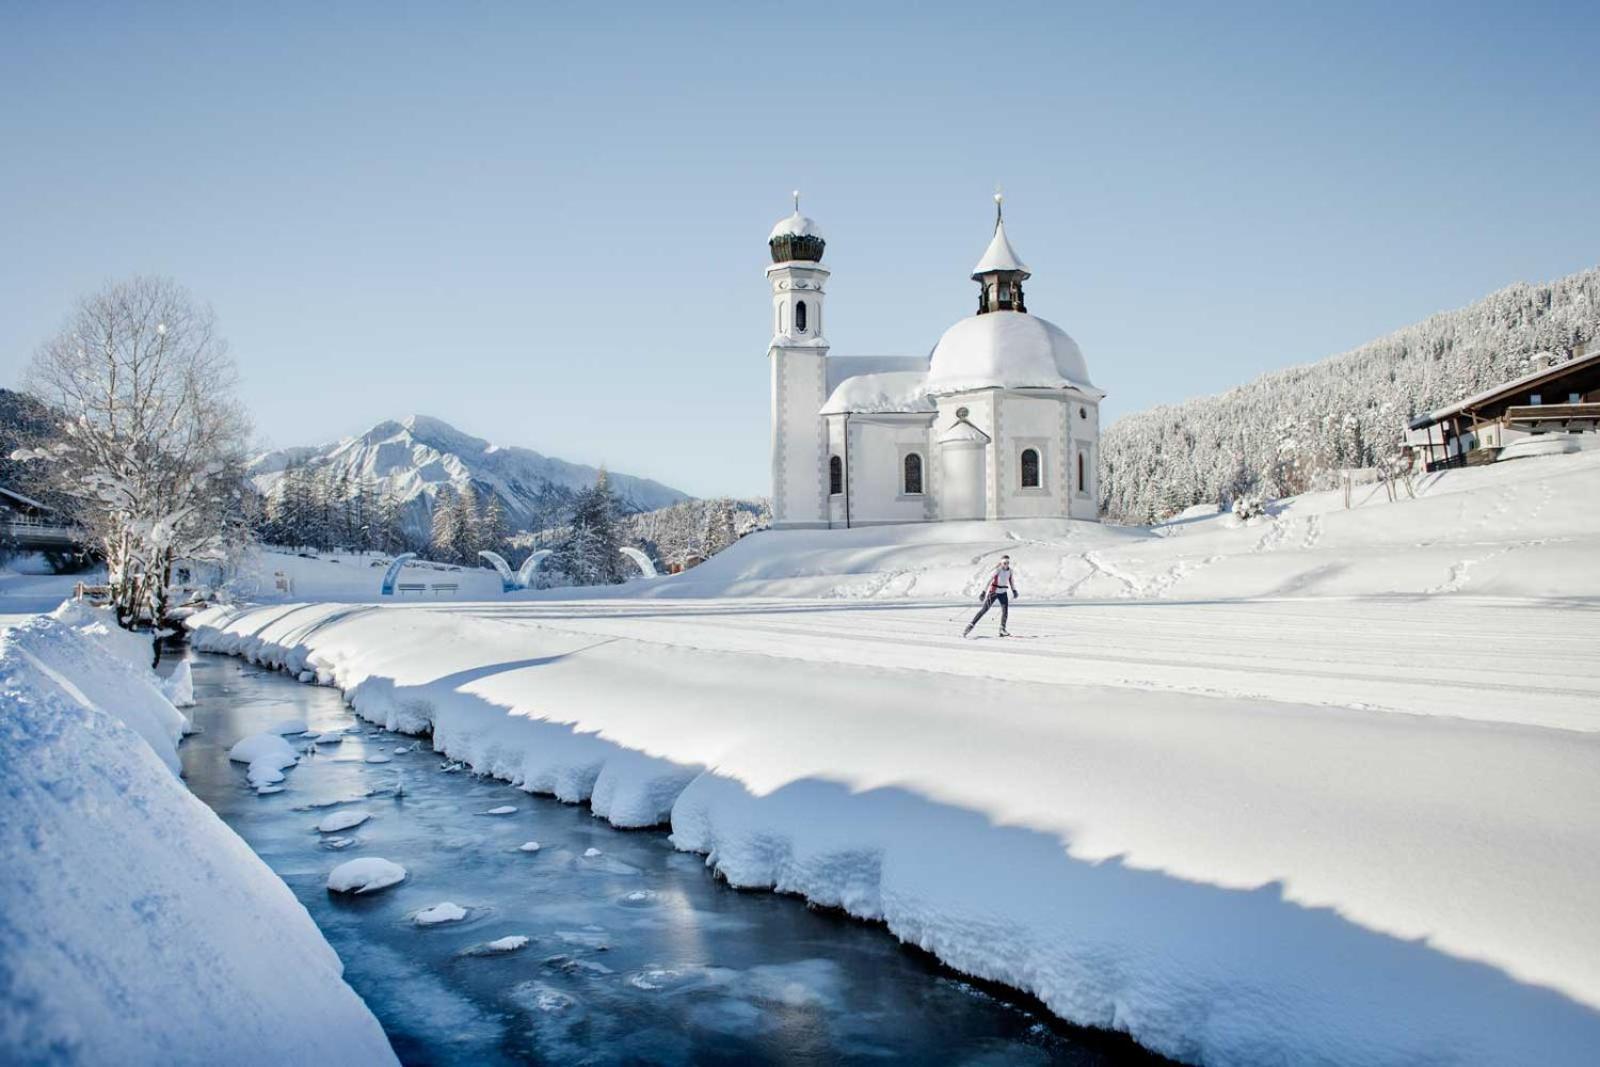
(412, 458)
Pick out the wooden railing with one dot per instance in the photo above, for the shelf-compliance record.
(1552, 412)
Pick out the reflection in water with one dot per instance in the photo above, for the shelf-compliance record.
(633, 952)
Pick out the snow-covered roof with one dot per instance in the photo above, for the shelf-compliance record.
(27, 500)
(841, 367)
(999, 255)
(1500, 390)
(796, 225)
(1006, 350)
(892, 391)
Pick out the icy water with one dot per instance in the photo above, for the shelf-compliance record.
(635, 953)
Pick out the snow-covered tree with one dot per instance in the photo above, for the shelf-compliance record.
(445, 540)
(467, 521)
(492, 529)
(149, 449)
(590, 553)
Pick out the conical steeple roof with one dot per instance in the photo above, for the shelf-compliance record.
(999, 255)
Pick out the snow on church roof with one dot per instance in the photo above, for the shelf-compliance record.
(889, 391)
(1006, 350)
(999, 255)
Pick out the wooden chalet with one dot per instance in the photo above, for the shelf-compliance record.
(1553, 399)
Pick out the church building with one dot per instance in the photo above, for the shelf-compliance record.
(998, 421)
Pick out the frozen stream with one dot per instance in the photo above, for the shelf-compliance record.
(635, 953)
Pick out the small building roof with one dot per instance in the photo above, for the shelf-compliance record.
(1500, 392)
(963, 432)
(26, 500)
(999, 255)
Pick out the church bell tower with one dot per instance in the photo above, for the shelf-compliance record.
(798, 354)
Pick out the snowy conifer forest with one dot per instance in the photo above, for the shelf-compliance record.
(1290, 430)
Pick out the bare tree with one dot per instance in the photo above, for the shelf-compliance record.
(151, 447)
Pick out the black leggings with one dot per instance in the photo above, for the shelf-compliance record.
(988, 602)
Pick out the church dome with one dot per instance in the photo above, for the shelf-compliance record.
(1005, 350)
(796, 238)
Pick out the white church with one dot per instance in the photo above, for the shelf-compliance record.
(999, 421)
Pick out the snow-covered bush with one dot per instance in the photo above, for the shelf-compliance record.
(1249, 506)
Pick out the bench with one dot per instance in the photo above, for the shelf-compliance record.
(410, 587)
(445, 587)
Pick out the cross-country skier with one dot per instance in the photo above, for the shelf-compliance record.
(1000, 587)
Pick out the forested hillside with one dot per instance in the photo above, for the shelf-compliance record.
(1287, 431)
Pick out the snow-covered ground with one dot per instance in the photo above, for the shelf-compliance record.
(135, 927)
(25, 593)
(1320, 788)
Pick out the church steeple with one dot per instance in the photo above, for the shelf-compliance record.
(1000, 273)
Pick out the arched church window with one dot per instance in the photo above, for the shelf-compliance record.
(780, 318)
(913, 474)
(1030, 468)
(1082, 485)
(800, 316)
(835, 476)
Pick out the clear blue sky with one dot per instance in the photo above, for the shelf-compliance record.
(546, 224)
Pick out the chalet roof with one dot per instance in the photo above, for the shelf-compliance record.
(1504, 389)
(27, 500)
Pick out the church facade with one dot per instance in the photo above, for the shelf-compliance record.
(998, 421)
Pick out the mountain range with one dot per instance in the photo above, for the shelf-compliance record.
(411, 459)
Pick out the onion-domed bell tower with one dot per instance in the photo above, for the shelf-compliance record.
(799, 357)
(1000, 273)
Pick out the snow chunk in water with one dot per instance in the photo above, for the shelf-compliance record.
(265, 749)
(528, 846)
(504, 809)
(343, 820)
(379, 758)
(440, 913)
(591, 853)
(501, 944)
(365, 875)
(264, 774)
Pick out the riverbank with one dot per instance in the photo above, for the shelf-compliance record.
(135, 927)
(628, 951)
(1230, 877)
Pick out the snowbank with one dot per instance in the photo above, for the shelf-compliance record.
(1231, 878)
(135, 927)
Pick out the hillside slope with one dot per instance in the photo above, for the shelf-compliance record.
(1278, 433)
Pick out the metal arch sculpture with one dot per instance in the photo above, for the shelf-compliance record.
(393, 572)
(508, 581)
(529, 565)
(647, 569)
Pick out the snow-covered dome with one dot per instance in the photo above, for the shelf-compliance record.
(795, 225)
(1007, 350)
(796, 238)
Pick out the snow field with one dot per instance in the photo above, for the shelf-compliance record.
(1352, 821)
(1229, 878)
(135, 927)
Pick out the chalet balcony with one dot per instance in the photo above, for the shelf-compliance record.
(1552, 416)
